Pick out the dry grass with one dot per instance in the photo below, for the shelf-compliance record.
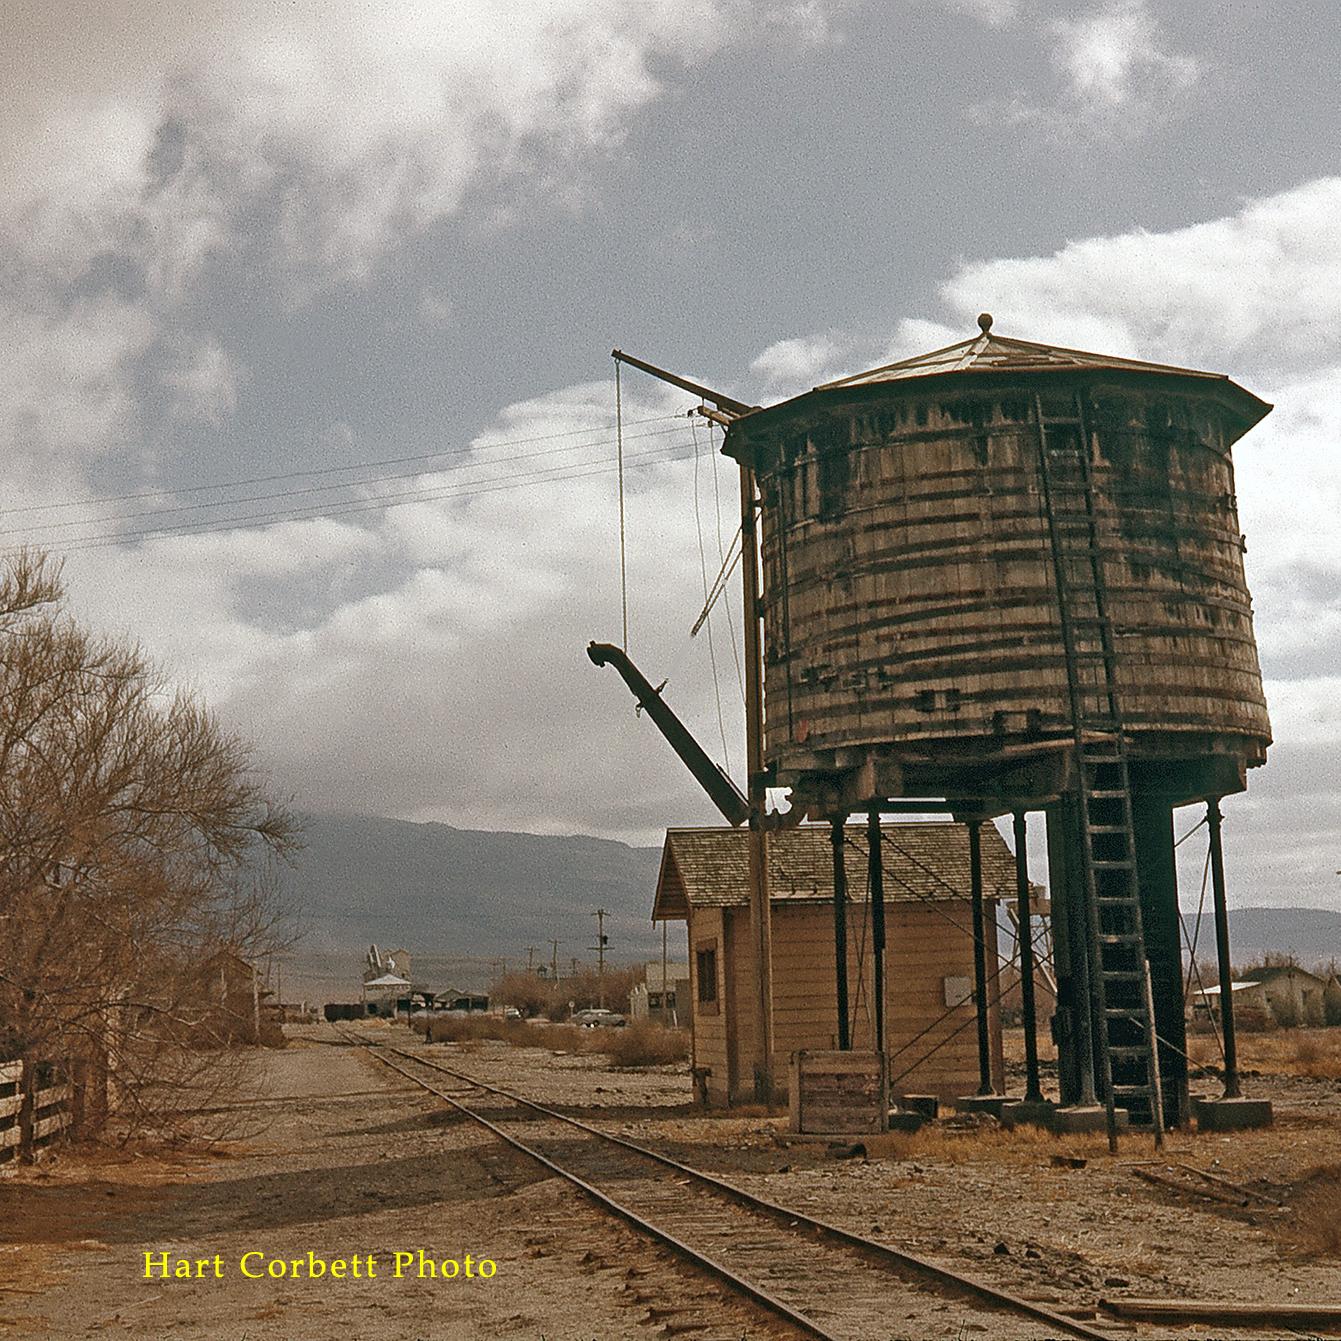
(1314, 1223)
(1314, 1053)
(645, 1044)
(634, 1045)
(938, 1144)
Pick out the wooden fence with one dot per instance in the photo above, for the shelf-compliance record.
(35, 1108)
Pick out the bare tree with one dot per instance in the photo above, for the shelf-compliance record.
(136, 846)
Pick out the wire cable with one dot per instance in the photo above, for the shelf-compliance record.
(654, 456)
(323, 470)
(327, 488)
(703, 572)
(619, 457)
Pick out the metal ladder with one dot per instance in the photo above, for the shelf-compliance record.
(1123, 1011)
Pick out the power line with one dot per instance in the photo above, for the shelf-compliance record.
(655, 456)
(325, 470)
(327, 488)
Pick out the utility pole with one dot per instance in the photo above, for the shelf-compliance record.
(599, 947)
(760, 995)
(554, 960)
(761, 912)
(530, 959)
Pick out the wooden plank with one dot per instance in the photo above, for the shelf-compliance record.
(11, 1073)
(10, 1136)
(53, 1094)
(10, 1106)
(50, 1126)
(1222, 1311)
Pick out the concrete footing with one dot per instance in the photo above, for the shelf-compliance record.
(906, 1119)
(982, 1103)
(1028, 1113)
(926, 1104)
(1080, 1119)
(1231, 1114)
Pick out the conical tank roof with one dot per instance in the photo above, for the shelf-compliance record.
(988, 353)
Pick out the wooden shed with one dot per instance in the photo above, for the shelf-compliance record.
(931, 1035)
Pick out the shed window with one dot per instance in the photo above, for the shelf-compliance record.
(706, 965)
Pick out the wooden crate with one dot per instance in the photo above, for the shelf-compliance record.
(842, 1093)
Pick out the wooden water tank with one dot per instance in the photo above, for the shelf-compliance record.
(912, 635)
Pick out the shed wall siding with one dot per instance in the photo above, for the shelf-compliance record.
(924, 949)
(709, 1028)
(925, 945)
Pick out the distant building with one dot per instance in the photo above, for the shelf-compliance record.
(932, 1041)
(658, 1001)
(386, 979)
(1280, 994)
(230, 993)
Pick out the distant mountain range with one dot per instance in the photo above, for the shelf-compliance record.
(1311, 934)
(462, 901)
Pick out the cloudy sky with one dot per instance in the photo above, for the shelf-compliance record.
(307, 311)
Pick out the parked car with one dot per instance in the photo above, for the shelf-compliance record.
(511, 1013)
(596, 1018)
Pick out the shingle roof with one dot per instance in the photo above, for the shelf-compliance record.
(709, 867)
(986, 352)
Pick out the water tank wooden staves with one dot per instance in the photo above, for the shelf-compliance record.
(913, 643)
(1009, 577)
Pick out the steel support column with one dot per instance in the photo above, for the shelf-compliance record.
(1232, 1090)
(1070, 934)
(838, 837)
(979, 957)
(876, 882)
(1033, 1091)
(1157, 880)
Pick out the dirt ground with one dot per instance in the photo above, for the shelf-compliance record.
(343, 1158)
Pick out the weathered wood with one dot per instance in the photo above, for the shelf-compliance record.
(837, 1092)
(910, 616)
(1222, 1311)
(45, 1127)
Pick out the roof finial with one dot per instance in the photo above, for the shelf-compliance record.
(985, 322)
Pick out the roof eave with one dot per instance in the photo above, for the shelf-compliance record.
(1251, 409)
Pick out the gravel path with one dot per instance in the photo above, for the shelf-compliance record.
(347, 1160)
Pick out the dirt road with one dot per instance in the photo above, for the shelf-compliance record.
(349, 1164)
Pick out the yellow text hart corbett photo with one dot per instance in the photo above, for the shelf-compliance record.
(256, 1264)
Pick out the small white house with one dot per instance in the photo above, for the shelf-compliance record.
(661, 999)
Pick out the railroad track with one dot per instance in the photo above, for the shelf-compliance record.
(824, 1280)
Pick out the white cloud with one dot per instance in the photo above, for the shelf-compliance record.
(994, 13)
(365, 123)
(1114, 74)
(203, 380)
(452, 682)
(1259, 287)
(1112, 57)
(788, 367)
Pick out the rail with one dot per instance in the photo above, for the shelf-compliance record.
(796, 1224)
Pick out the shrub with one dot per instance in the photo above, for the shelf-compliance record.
(645, 1044)
(1314, 1222)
